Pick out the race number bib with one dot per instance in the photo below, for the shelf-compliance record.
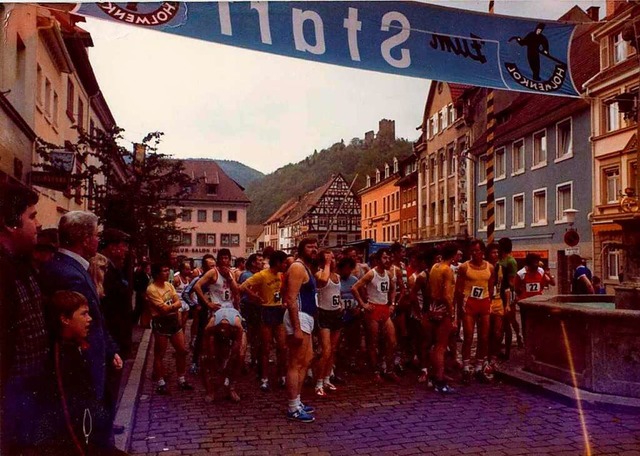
(276, 296)
(335, 301)
(384, 287)
(534, 287)
(226, 295)
(349, 303)
(477, 292)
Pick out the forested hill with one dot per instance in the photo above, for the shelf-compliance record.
(269, 193)
(242, 174)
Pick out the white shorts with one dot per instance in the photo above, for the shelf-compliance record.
(226, 314)
(306, 323)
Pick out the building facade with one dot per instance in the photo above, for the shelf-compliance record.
(443, 177)
(214, 215)
(330, 213)
(380, 203)
(47, 79)
(408, 185)
(614, 135)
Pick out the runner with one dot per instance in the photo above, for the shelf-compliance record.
(531, 280)
(250, 310)
(352, 315)
(165, 304)
(330, 320)
(180, 283)
(510, 270)
(223, 342)
(380, 290)
(439, 321)
(500, 303)
(264, 287)
(419, 286)
(474, 287)
(300, 300)
(360, 269)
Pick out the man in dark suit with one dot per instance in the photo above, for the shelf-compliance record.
(78, 232)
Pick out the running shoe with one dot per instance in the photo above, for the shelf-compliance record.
(489, 371)
(233, 396)
(264, 385)
(320, 392)
(300, 416)
(162, 390)
(328, 386)
(308, 409)
(466, 376)
(392, 376)
(184, 386)
(444, 389)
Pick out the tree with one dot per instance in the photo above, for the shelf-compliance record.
(127, 190)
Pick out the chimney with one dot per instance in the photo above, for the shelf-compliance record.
(594, 13)
(612, 6)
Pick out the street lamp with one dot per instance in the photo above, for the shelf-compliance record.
(570, 215)
(571, 236)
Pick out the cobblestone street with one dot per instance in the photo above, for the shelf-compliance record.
(364, 418)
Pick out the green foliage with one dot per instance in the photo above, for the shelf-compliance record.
(125, 193)
(269, 193)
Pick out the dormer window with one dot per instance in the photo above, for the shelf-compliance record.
(368, 181)
(386, 170)
(212, 189)
(377, 176)
(395, 165)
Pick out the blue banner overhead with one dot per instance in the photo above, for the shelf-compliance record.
(405, 38)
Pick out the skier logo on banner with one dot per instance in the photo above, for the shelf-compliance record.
(539, 60)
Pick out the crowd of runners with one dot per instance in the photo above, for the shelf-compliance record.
(67, 319)
(325, 313)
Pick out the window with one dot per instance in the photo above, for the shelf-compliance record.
(212, 189)
(47, 97)
(341, 239)
(186, 215)
(612, 187)
(445, 118)
(233, 216)
(205, 239)
(564, 142)
(501, 164)
(539, 207)
(451, 114)
(482, 222)
(441, 163)
(186, 239)
(451, 210)
(451, 161)
(70, 98)
(216, 216)
(80, 114)
(395, 165)
(171, 214)
(564, 200)
(501, 214)
(377, 176)
(54, 113)
(620, 49)
(517, 220)
(482, 170)
(386, 170)
(229, 240)
(202, 215)
(432, 169)
(517, 158)
(368, 181)
(440, 122)
(613, 264)
(39, 78)
(434, 125)
(539, 149)
(611, 115)
(633, 172)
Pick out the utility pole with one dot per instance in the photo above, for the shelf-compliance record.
(491, 127)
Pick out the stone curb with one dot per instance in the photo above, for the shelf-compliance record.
(127, 408)
(516, 374)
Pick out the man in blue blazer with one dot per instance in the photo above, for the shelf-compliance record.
(78, 231)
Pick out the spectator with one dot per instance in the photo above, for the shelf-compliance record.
(67, 271)
(97, 269)
(597, 286)
(23, 335)
(141, 280)
(69, 322)
(582, 277)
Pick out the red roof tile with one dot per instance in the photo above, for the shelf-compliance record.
(207, 171)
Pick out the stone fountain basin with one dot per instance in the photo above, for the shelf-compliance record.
(603, 342)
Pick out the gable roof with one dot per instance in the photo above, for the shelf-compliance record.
(309, 201)
(282, 211)
(207, 171)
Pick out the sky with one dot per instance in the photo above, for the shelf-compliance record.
(263, 110)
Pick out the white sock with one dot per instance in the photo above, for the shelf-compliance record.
(294, 404)
(161, 382)
(327, 380)
(181, 379)
(319, 384)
